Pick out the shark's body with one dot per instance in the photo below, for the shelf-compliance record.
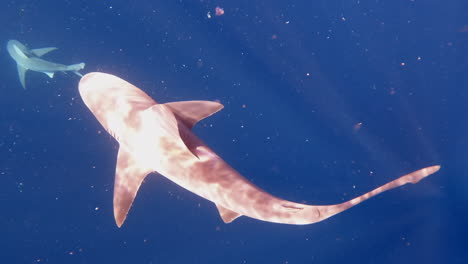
(158, 138)
(27, 59)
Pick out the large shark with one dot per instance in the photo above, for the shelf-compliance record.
(27, 59)
(158, 138)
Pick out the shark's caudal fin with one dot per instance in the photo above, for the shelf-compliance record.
(325, 211)
(73, 68)
(76, 67)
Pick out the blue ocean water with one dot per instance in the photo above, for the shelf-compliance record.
(324, 101)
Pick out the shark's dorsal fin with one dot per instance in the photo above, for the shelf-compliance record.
(42, 51)
(128, 177)
(22, 75)
(190, 112)
(227, 215)
(164, 114)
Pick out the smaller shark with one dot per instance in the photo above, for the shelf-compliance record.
(27, 59)
(158, 138)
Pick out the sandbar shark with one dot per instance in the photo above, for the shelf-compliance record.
(30, 59)
(156, 137)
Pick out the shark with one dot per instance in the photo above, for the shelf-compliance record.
(30, 59)
(155, 137)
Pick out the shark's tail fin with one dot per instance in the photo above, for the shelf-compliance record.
(326, 211)
(76, 67)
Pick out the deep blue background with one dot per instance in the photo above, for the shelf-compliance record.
(306, 71)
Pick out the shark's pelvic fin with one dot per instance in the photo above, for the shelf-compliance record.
(50, 74)
(42, 51)
(22, 75)
(128, 177)
(227, 215)
(193, 111)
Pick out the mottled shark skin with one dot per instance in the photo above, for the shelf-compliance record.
(27, 59)
(157, 138)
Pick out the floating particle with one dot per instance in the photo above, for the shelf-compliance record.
(357, 126)
(464, 29)
(199, 63)
(219, 11)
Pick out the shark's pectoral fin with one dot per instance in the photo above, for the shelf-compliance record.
(128, 177)
(227, 215)
(22, 75)
(42, 51)
(50, 74)
(193, 111)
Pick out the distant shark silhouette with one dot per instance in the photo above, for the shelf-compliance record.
(158, 138)
(27, 59)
